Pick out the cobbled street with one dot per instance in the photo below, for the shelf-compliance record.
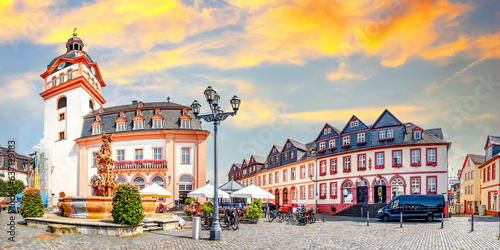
(334, 233)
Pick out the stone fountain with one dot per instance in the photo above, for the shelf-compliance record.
(99, 205)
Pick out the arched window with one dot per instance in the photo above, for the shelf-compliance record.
(54, 83)
(158, 180)
(185, 183)
(397, 187)
(91, 105)
(70, 75)
(61, 103)
(121, 180)
(347, 192)
(294, 193)
(139, 181)
(61, 78)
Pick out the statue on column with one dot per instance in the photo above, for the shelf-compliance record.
(105, 181)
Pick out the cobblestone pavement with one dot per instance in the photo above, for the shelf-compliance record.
(334, 233)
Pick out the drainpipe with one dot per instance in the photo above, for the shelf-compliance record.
(316, 183)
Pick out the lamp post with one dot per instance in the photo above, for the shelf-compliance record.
(216, 117)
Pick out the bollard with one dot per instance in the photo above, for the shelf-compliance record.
(442, 220)
(323, 217)
(361, 212)
(367, 218)
(196, 228)
(401, 219)
(472, 223)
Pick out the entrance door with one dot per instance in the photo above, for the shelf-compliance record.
(380, 191)
(285, 196)
(362, 192)
(277, 197)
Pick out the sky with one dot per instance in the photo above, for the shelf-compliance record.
(295, 65)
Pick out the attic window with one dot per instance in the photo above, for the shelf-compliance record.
(54, 82)
(185, 124)
(356, 123)
(352, 124)
(91, 105)
(140, 105)
(329, 130)
(417, 134)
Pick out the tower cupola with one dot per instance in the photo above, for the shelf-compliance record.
(74, 43)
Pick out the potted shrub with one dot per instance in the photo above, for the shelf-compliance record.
(31, 203)
(127, 205)
(254, 211)
(333, 209)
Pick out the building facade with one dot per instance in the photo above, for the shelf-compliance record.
(156, 142)
(20, 167)
(359, 164)
(480, 180)
(470, 183)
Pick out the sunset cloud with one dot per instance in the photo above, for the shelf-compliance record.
(342, 73)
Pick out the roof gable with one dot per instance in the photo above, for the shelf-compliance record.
(356, 123)
(292, 144)
(386, 119)
(495, 140)
(327, 131)
(278, 150)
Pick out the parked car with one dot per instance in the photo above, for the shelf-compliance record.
(287, 206)
(426, 207)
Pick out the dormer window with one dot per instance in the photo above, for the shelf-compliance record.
(417, 135)
(120, 126)
(288, 145)
(352, 124)
(345, 140)
(390, 133)
(356, 123)
(381, 134)
(140, 105)
(139, 124)
(322, 146)
(96, 130)
(185, 124)
(331, 144)
(157, 124)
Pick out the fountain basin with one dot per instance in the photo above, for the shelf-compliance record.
(96, 207)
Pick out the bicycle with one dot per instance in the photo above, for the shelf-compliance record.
(207, 219)
(301, 219)
(230, 219)
(272, 215)
(280, 216)
(310, 216)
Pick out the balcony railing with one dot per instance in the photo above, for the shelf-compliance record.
(142, 165)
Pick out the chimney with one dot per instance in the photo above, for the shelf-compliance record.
(134, 102)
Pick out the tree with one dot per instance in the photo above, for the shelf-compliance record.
(11, 187)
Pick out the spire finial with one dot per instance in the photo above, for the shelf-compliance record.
(168, 99)
(74, 32)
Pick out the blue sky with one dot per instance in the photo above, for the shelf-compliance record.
(295, 64)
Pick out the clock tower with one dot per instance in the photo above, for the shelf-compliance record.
(72, 88)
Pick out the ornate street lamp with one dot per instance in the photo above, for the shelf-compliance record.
(216, 117)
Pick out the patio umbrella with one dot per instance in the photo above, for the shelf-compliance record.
(254, 192)
(154, 190)
(207, 191)
(230, 187)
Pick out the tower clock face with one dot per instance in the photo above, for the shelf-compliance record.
(61, 65)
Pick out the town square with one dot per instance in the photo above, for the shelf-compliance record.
(249, 124)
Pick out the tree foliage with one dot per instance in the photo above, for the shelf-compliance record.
(10, 187)
(254, 210)
(31, 203)
(127, 205)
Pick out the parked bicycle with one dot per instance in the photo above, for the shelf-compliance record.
(310, 217)
(272, 215)
(206, 220)
(230, 219)
(301, 219)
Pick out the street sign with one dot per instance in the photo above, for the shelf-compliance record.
(495, 192)
(449, 192)
(450, 198)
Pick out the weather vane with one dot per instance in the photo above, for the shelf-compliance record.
(74, 31)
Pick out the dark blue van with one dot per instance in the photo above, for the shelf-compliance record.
(413, 207)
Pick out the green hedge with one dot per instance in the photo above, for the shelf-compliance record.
(31, 203)
(127, 205)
